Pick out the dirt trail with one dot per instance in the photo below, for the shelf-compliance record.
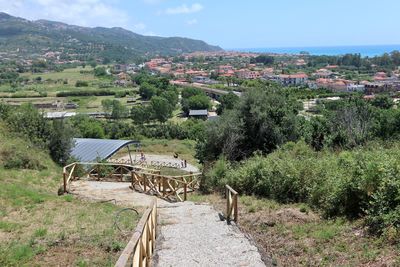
(189, 234)
(123, 195)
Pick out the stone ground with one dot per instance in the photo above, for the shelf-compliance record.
(189, 234)
(164, 158)
(194, 235)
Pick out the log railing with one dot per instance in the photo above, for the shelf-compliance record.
(150, 181)
(231, 204)
(99, 172)
(140, 248)
(172, 188)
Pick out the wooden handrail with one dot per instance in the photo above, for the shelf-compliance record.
(166, 187)
(231, 204)
(140, 248)
(68, 171)
(144, 180)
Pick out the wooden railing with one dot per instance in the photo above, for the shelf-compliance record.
(172, 188)
(140, 248)
(100, 172)
(150, 181)
(231, 204)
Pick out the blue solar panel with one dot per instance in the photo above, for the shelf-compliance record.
(90, 150)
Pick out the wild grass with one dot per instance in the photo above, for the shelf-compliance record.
(292, 235)
(39, 228)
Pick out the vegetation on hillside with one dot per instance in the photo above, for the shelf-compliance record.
(37, 227)
(343, 162)
(89, 44)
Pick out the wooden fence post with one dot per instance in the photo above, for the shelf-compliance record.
(227, 192)
(184, 191)
(144, 182)
(164, 184)
(65, 182)
(235, 208)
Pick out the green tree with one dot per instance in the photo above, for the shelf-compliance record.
(141, 114)
(162, 109)
(263, 120)
(88, 127)
(115, 109)
(147, 91)
(100, 72)
(93, 64)
(382, 101)
(227, 101)
(171, 96)
(61, 142)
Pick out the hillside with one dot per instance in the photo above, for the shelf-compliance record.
(26, 37)
(39, 228)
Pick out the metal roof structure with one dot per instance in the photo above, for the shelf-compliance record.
(198, 112)
(59, 115)
(90, 150)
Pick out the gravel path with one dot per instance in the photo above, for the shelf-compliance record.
(189, 234)
(193, 235)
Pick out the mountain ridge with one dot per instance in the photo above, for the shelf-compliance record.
(116, 43)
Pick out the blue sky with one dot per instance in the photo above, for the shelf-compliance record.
(232, 24)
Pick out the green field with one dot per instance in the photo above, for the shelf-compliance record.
(52, 83)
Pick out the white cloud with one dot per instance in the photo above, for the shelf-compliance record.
(184, 9)
(152, 2)
(78, 12)
(151, 34)
(139, 26)
(191, 22)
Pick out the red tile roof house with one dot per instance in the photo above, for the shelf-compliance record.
(222, 69)
(323, 73)
(293, 79)
(248, 74)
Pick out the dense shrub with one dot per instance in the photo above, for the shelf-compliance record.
(86, 93)
(362, 182)
(29, 123)
(81, 84)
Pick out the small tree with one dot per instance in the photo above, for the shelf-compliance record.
(61, 141)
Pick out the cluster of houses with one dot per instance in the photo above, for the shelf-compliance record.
(327, 77)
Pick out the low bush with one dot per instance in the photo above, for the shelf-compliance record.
(81, 84)
(16, 159)
(359, 183)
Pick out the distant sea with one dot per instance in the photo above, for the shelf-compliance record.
(364, 50)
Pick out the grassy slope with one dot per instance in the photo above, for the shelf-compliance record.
(37, 227)
(292, 235)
